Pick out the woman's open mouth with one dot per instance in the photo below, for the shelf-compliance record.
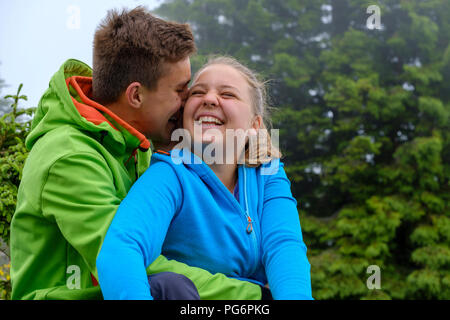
(208, 122)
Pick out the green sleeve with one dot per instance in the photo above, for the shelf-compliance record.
(80, 196)
(210, 286)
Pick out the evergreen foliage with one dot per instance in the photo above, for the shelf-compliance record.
(364, 119)
(13, 131)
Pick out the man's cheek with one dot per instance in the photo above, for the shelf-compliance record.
(181, 117)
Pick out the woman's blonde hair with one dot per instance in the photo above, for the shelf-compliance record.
(261, 149)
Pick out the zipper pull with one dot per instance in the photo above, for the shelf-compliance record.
(250, 225)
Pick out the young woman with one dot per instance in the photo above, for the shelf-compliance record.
(237, 219)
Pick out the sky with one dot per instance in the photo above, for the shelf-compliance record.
(37, 36)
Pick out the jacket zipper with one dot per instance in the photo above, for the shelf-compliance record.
(249, 228)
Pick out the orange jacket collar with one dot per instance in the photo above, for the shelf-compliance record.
(92, 111)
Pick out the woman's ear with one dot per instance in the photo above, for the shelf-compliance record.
(134, 95)
(257, 122)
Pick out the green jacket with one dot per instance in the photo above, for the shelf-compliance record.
(83, 160)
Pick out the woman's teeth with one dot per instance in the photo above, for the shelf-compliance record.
(208, 120)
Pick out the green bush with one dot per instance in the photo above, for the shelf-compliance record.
(13, 130)
(364, 120)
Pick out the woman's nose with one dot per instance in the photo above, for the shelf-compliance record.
(210, 99)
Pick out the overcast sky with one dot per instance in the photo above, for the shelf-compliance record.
(37, 36)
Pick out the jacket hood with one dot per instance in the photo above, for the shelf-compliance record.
(67, 102)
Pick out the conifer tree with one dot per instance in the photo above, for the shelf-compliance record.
(364, 119)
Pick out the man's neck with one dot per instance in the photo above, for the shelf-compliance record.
(126, 114)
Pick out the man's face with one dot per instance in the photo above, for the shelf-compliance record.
(160, 112)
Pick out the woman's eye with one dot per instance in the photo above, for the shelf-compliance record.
(228, 94)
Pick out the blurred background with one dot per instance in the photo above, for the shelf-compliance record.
(361, 97)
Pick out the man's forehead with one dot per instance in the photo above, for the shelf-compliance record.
(178, 73)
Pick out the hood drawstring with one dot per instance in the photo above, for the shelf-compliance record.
(103, 134)
(134, 155)
(135, 165)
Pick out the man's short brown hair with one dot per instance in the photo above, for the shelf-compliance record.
(132, 46)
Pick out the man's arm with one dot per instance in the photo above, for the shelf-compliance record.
(80, 196)
(210, 286)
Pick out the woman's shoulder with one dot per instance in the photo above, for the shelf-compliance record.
(161, 164)
(161, 172)
(167, 158)
(175, 157)
(167, 162)
(271, 168)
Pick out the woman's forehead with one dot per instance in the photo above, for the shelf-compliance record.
(221, 75)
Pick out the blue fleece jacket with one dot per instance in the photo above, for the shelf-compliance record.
(184, 212)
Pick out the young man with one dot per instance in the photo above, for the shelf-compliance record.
(88, 146)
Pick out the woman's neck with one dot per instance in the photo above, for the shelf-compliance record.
(226, 173)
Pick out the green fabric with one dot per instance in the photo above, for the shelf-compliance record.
(73, 182)
(210, 287)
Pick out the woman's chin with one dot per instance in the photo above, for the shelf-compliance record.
(209, 140)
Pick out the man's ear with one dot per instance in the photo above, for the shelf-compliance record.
(134, 95)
